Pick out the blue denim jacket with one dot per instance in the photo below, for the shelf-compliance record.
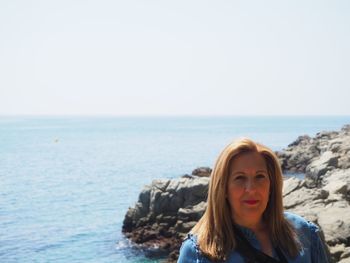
(313, 250)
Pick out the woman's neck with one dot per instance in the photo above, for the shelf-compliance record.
(255, 226)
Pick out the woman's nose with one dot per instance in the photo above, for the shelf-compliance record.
(250, 185)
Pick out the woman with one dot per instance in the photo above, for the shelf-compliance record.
(244, 220)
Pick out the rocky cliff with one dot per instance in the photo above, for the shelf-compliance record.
(167, 209)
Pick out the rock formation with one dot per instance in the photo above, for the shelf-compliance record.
(168, 209)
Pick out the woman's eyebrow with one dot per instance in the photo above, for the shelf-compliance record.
(241, 172)
(238, 172)
(261, 171)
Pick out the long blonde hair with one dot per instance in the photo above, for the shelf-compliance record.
(215, 233)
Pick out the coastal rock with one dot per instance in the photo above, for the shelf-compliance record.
(202, 171)
(192, 213)
(346, 254)
(167, 210)
(299, 154)
(318, 155)
(303, 196)
(335, 222)
(324, 196)
(317, 168)
(337, 183)
(337, 251)
(291, 184)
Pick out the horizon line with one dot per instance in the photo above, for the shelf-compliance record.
(171, 115)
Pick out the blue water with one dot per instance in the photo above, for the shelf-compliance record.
(66, 182)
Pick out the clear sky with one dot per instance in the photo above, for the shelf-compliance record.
(175, 57)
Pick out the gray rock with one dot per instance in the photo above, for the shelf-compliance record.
(339, 175)
(337, 187)
(159, 184)
(346, 253)
(304, 195)
(192, 213)
(317, 168)
(337, 183)
(291, 184)
(202, 171)
(184, 227)
(337, 251)
(346, 128)
(301, 140)
(304, 150)
(165, 199)
(334, 220)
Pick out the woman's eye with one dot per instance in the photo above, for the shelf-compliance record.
(238, 178)
(261, 176)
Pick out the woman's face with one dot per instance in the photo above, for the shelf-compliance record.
(248, 188)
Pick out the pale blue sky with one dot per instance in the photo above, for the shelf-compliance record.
(175, 57)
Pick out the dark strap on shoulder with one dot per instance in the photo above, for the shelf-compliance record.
(281, 255)
(253, 255)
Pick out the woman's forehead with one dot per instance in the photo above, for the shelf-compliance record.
(247, 162)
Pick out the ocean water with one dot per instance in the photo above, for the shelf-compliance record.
(67, 182)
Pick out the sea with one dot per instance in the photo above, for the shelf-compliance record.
(67, 182)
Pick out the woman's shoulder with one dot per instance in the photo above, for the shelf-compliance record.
(299, 222)
(310, 236)
(189, 249)
(308, 233)
(190, 252)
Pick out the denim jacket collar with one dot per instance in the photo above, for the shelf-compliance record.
(247, 232)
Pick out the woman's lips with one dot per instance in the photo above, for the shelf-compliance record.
(251, 202)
